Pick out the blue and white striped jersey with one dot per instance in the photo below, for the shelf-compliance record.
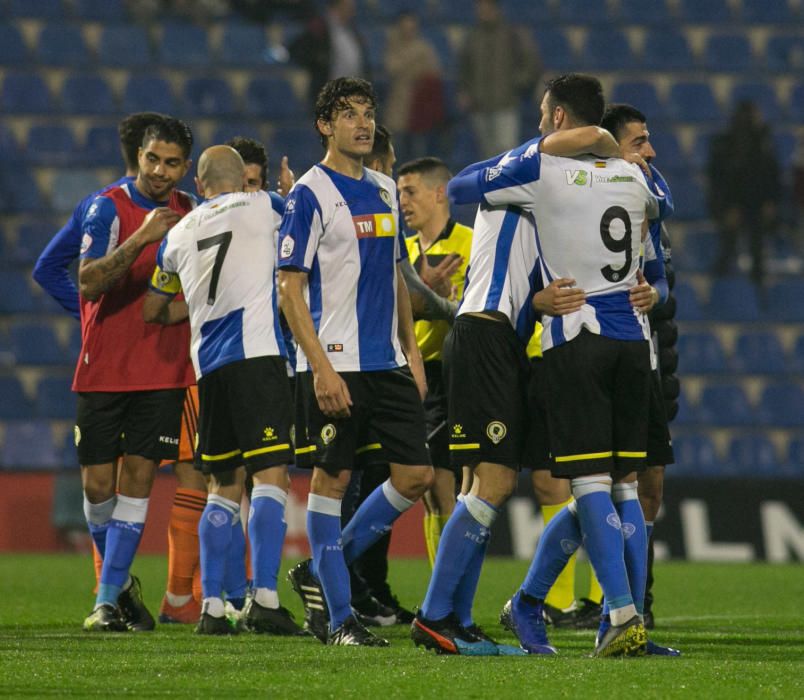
(589, 214)
(222, 257)
(503, 272)
(345, 234)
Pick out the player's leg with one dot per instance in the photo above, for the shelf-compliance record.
(651, 488)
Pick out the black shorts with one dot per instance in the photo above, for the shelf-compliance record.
(245, 416)
(660, 446)
(597, 414)
(486, 371)
(386, 410)
(536, 454)
(143, 423)
(435, 416)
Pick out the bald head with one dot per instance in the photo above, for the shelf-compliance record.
(220, 169)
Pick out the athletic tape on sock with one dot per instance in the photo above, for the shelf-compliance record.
(130, 510)
(270, 491)
(624, 492)
(584, 485)
(324, 505)
(481, 511)
(227, 504)
(396, 499)
(99, 513)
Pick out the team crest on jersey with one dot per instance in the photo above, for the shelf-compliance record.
(287, 246)
(328, 433)
(86, 242)
(496, 431)
(385, 196)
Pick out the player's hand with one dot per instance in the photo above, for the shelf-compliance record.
(332, 393)
(286, 178)
(158, 222)
(638, 160)
(643, 296)
(439, 278)
(559, 298)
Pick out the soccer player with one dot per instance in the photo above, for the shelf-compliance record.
(256, 160)
(591, 216)
(359, 368)
(222, 259)
(130, 378)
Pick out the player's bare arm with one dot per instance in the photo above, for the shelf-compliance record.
(98, 276)
(407, 336)
(581, 140)
(286, 178)
(559, 298)
(331, 391)
(162, 309)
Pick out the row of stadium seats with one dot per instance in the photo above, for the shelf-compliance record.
(38, 343)
(755, 352)
(658, 12)
(736, 299)
(183, 45)
(36, 444)
(727, 404)
(53, 400)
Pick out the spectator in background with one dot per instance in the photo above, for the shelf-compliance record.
(415, 107)
(744, 188)
(330, 46)
(499, 66)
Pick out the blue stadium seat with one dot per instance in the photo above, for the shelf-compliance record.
(784, 52)
(183, 45)
(74, 343)
(16, 295)
(670, 155)
(753, 455)
(41, 9)
(762, 94)
(67, 452)
(767, 12)
(689, 197)
(13, 51)
(100, 10)
(797, 101)
(782, 405)
(376, 42)
(727, 52)
(667, 49)
(87, 94)
(125, 46)
(147, 93)
(62, 45)
(51, 145)
(55, 398)
(693, 101)
(796, 359)
(759, 352)
(695, 456)
(733, 299)
(642, 95)
(209, 97)
(29, 445)
(784, 142)
(688, 307)
(272, 98)
(243, 44)
(441, 43)
(687, 412)
(71, 185)
(725, 405)
(102, 147)
(298, 142)
(32, 237)
(249, 129)
(9, 146)
(705, 11)
(555, 49)
(582, 12)
(785, 300)
(607, 48)
(19, 191)
(35, 343)
(795, 454)
(26, 93)
(701, 353)
(642, 12)
(14, 402)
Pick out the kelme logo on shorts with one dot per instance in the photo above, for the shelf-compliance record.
(328, 433)
(496, 431)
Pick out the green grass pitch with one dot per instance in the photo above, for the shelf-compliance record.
(741, 628)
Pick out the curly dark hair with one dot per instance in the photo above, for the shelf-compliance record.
(131, 131)
(335, 96)
(251, 151)
(170, 130)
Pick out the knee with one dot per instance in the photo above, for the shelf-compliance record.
(99, 484)
(330, 485)
(549, 490)
(412, 482)
(497, 490)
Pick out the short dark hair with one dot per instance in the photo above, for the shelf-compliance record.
(170, 130)
(251, 151)
(617, 116)
(382, 143)
(580, 95)
(429, 166)
(335, 96)
(131, 131)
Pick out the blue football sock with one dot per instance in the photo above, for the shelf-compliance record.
(603, 538)
(626, 502)
(324, 532)
(558, 542)
(122, 539)
(215, 539)
(266, 532)
(373, 519)
(235, 582)
(464, 598)
(98, 516)
(463, 539)
(648, 529)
